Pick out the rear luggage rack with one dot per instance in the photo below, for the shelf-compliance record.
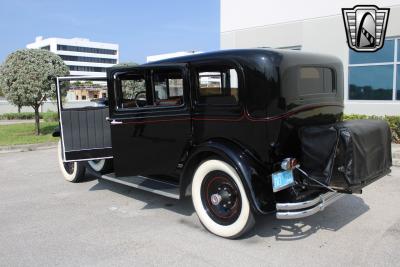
(297, 210)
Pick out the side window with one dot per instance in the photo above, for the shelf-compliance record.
(133, 91)
(217, 86)
(168, 88)
(85, 93)
(316, 80)
(152, 88)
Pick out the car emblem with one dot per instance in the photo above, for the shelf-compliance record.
(365, 27)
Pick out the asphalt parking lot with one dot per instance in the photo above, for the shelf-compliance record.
(45, 221)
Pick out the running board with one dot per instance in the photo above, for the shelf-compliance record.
(151, 185)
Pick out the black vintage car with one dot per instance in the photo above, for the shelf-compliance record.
(243, 132)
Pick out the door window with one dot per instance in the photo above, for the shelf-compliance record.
(168, 88)
(83, 94)
(150, 89)
(218, 87)
(133, 91)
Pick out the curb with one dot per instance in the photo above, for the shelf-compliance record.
(12, 122)
(28, 147)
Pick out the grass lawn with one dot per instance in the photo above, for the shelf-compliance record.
(24, 133)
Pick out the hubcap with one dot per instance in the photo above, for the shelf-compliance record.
(216, 199)
(221, 197)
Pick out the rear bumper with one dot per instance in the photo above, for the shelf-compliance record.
(307, 208)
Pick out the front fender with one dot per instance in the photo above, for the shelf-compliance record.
(254, 175)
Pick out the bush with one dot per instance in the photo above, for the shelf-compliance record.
(47, 116)
(394, 123)
(50, 116)
(18, 116)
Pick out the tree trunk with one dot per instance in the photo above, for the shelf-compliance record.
(19, 109)
(37, 120)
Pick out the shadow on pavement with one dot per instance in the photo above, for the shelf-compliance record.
(332, 218)
(153, 201)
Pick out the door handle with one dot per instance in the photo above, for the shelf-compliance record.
(114, 122)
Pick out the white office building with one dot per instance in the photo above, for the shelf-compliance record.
(82, 56)
(372, 80)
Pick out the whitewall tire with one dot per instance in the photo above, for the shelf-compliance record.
(220, 199)
(72, 171)
(101, 165)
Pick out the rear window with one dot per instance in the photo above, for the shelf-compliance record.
(316, 80)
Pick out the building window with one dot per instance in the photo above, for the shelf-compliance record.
(398, 82)
(89, 59)
(373, 75)
(386, 54)
(86, 49)
(371, 82)
(87, 69)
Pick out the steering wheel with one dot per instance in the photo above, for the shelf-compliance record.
(140, 96)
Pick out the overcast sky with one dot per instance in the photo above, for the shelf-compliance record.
(140, 27)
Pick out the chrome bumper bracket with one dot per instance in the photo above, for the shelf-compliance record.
(307, 208)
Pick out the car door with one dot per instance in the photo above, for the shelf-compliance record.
(150, 120)
(83, 109)
(218, 108)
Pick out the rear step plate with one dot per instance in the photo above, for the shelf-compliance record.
(147, 184)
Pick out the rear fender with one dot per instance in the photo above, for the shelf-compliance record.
(253, 174)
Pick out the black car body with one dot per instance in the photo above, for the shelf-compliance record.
(257, 110)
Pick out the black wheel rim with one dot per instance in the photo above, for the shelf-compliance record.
(69, 167)
(221, 197)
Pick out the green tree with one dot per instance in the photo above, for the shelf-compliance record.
(131, 87)
(77, 83)
(27, 78)
(127, 64)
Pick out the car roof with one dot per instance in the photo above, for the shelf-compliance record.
(250, 58)
(246, 55)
